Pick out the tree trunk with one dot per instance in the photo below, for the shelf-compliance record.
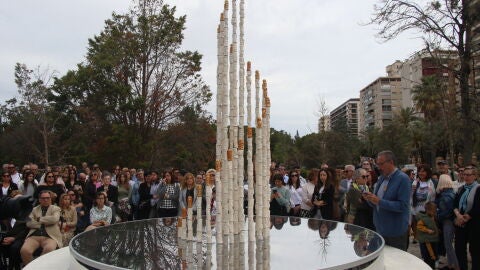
(464, 74)
(45, 144)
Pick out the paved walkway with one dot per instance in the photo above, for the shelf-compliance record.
(415, 250)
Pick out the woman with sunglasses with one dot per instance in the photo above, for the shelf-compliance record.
(7, 185)
(76, 202)
(358, 210)
(52, 186)
(295, 193)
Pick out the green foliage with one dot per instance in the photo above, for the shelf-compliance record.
(116, 106)
(188, 144)
(282, 147)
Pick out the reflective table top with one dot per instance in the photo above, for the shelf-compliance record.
(294, 243)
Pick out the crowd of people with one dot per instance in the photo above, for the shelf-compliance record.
(440, 209)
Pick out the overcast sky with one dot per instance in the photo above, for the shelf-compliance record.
(306, 49)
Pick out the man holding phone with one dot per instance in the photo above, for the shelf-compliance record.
(391, 202)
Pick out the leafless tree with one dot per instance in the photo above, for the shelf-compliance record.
(445, 24)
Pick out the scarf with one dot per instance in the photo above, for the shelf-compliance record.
(465, 195)
(361, 188)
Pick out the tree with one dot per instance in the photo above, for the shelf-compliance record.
(135, 80)
(31, 124)
(431, 99)
(189, 143)
(406, 116)
(283, 148)
(446, 24)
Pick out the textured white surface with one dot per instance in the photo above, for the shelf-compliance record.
(394, 259)
(55, 260)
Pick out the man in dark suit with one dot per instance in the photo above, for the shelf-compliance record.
(391, 202)
(12, 243)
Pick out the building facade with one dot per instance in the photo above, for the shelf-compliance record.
(379, 102)
(475, 14)
(419, 65)
(346, 114)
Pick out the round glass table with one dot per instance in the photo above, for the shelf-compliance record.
(294, 243)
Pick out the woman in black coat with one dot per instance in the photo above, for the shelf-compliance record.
(144, 205)
(323, 195)
(7, 185)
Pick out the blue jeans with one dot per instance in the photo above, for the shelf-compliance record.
(448, 236)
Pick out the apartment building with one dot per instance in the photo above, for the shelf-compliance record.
(419, 65)
(379, 101)
(347, 113)
(475, 14)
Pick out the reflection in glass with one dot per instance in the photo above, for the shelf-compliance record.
(154, 244)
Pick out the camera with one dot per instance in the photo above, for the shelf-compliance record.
(18, 207)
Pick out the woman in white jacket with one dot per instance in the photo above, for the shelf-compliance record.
(187, 189)
(307, 193)
(295, 193)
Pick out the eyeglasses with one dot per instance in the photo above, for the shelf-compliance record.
(382, 163)
(365, 176)
(45, 198)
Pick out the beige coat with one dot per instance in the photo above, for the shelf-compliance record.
(50, 220)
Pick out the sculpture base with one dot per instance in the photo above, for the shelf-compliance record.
(393, 259)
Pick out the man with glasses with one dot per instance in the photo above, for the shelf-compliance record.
(391, 202)
(345, 185)
(44, 231)
(467, 220)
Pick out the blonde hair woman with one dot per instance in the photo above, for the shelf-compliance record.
(68, 218)
(446, 203)
(187, 189)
